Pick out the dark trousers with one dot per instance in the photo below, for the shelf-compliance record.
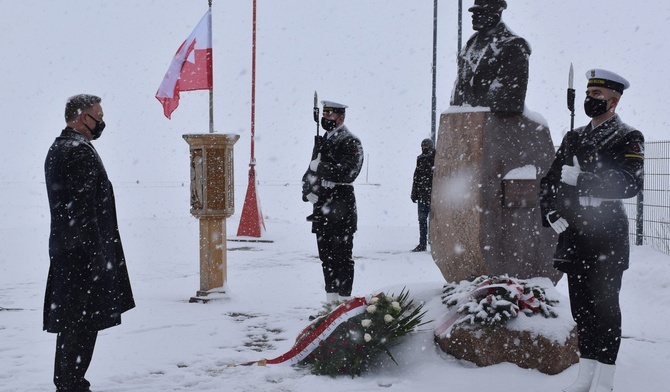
(74, 350)
(423, 208)
(594, 299)
(337, 262)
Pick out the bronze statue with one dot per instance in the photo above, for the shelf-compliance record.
(493, 66)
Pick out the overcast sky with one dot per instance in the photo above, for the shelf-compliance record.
(373, 55)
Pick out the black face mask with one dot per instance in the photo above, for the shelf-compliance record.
(97, 130)
(594, 107)
(328, 125)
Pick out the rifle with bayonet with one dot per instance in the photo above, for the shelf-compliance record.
(317, 139)
(571, 135)
(310, 181)
(571, 97)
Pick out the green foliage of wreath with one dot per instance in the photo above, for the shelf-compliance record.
(496, 305)
(355, 345)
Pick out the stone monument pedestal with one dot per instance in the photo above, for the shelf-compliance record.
(528, 350)
(485, 213)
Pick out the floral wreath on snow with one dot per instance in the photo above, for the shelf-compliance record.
(355, 343)
(491, 301)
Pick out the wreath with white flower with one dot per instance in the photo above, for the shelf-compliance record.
(355, 343)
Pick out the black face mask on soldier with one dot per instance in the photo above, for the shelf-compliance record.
(97, 130)
(594, 107)
(327, 124)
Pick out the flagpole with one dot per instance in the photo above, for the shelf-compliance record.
(253, 86)
(434, 97)
(251, 219)
(211, 90)
(460, 25)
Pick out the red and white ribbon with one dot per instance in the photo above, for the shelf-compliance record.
(310, 338)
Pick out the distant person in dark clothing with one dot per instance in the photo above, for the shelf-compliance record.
(88, 286)
(422, 186)
(493, 65)
(595, 167)
(328, 185)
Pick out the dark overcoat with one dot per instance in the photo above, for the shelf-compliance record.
(493, 71)
(341, 163)
(422, 183)
(611, 158)
(88, 285)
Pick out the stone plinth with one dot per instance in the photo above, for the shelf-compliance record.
(490, 346)
(485, 215)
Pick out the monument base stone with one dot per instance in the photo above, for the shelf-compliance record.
(485, 213)
(490, 346)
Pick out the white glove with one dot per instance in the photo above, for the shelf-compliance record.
(312, 198)
(558, 223)
(327, 184)
(315, 163)
(570, 174)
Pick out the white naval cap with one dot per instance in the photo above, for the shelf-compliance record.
(333, 106)
(608, 79)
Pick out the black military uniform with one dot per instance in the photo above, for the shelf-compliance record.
(593, 249)
(334, 218)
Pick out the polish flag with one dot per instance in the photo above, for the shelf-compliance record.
(191, 67)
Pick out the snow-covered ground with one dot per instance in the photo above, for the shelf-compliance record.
(373, 55)
(168, 344)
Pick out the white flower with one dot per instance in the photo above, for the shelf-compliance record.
(396, 306)
(366, 323)
(372, 309)
(388, 318)
(374, 300)
(367, 337)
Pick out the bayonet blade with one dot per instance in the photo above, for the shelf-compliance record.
(315, 111)
(571, 76)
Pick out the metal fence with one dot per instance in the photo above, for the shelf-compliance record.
(649, 214)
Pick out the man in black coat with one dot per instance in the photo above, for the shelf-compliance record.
(595, 167)
(422, 186)
(88, 286)
(328, 185)
(493, 65)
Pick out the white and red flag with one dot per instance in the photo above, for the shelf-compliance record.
(191, 67)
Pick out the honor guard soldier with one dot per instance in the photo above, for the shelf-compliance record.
(328, 185)
(595, 167)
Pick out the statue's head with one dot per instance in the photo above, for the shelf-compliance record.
(495, 5)
(486, 14)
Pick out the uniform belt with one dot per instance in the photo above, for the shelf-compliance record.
(590, 201)
(330, 184)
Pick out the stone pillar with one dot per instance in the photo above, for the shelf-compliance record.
(212, 201)
(485, 214)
